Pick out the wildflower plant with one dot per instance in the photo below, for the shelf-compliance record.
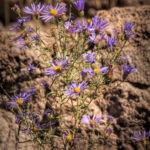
(76, 71)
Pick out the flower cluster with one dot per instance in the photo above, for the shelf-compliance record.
(82, 59)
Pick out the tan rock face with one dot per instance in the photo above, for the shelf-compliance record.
(129, 102)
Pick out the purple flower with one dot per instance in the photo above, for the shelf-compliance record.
(33, 127)
(127, 70)
(19, 99)
(142, 136)
(53, 12)
(35, 10)
(37, 87)
(127, 31)
(100, 70)
(58, 68)
(75, 89)
(68, 24)
(111, 41)
(30, 68)
(108, 132)
(96, 38)
(91, 121)
(98, 24)
(81, 26)
(36, 37)
(14, 27)
(25, 43)
(24, 34)
(89, 57)
(23, 20)
(20, 23)
(86, 71)
(19, 118)
(79, 5)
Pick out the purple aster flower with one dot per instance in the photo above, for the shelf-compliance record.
(19, 118)
(20, 23)
(85, 72)
(23, 43)
(75, 89)
(31, 68)
(72, 31)
(33, 127)
(24, 34)
(35, 10)
(37, 87)
(141, 136)
(14, 27)
(98, 24)
(23, 20)
(19, 99)
(81, 26)
(111, 41)
(127, 31)
(91, 121)
(53, 12)
(108, 132)
(96, 38)
(79, 5)
(89, 57)
(100, 70)
(58, 68)
(128, 70)
(68, 24)
(36, 37)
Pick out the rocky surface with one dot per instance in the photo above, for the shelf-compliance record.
(128, 102)
(93, 5)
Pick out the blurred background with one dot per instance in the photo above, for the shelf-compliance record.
(91, 7)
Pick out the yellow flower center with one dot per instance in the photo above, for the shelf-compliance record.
(36, 12)
(110, 74)
(26, 42)
(23, 34)
(89, 21)
(69, 137)
(143, 138)
(57, 69)
(34, 128)
(37, 86)
(76, 90)
(115, 51)
(53, 12)
(107, 134)
(96, 40)
(96, 70)
(19, 101)
(92, 121)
